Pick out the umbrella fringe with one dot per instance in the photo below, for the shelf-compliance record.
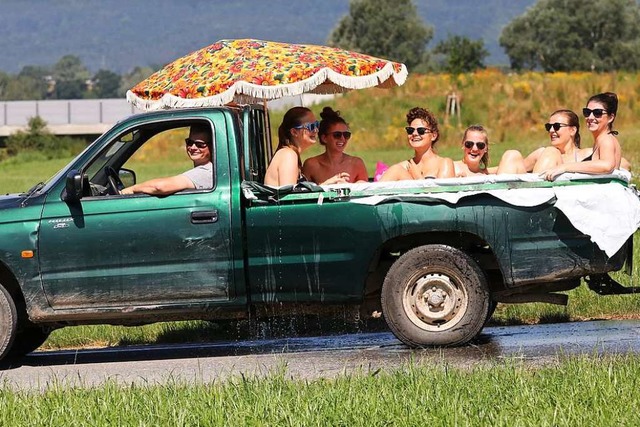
(249, 91)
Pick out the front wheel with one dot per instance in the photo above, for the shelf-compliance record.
(8, 322)
(435, 295)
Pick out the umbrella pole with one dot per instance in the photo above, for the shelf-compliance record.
(268, 120)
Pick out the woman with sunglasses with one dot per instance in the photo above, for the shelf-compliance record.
(334, 135)
(600, 113)
(564, 134)
(475, 146)
(422, 134)
(297, 132)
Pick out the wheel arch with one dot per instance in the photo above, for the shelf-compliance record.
(10, 283)
(471, 244)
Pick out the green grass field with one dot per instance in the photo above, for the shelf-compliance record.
(576, 391)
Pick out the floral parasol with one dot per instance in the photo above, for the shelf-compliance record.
(245, 70)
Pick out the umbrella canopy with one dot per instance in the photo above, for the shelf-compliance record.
(246, 70)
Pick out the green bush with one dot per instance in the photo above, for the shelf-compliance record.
(37, 138)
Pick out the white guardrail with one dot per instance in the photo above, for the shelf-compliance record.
(65, 117)
(95, 116)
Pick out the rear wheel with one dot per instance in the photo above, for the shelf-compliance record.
(435, 295)
(8, 322)
(28, 339)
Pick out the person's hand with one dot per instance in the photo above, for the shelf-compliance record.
(551, 174)
(413, 169)
(126, 191)
(339, 178)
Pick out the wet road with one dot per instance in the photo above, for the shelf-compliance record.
(312, 357)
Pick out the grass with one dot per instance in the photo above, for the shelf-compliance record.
(576, 391)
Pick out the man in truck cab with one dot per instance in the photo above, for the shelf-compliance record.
(199, 149)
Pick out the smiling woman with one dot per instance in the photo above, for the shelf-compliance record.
(475, 146)
(422, 135)
(334, 134)
(297, 132)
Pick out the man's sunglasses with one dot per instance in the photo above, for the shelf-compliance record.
(470, 144)
(338, 134)
(597, 112)
(421, 131)
(197, 142)
(311, 126)
(556, 126)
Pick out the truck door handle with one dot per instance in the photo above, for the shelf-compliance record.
(204, 217)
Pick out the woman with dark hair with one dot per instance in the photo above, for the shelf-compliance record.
(475, 148)
(564, 134)
(422, 134)
(297, 132)
(606, 156)
(334, 134)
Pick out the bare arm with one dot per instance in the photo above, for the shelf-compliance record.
(361, 171)
(606, 162)
(447, 169)
(283, 169)
(161, 186)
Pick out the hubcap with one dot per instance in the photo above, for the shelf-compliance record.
(434, 302)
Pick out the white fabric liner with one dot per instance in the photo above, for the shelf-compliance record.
(325, 81)
(608, 213)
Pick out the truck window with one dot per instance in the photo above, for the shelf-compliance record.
(155, 150)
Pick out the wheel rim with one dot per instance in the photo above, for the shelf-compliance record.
(434, 302)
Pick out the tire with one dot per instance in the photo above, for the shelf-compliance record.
(27, 340)
(8, 322)
(435, 295)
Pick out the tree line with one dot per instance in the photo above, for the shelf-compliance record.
(552, 35)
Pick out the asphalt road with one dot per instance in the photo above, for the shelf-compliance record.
(312, 357)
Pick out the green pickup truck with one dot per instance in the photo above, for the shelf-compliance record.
(432, 257)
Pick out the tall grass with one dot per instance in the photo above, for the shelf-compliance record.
(578, 391)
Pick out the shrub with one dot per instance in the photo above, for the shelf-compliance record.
(38, 138)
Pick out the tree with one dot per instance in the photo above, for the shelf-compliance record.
(390, 29)
(132, 78)
(107, 84)
(565, 35)
(462, 55)
(70, 77)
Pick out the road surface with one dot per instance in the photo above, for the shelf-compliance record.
(312, 357)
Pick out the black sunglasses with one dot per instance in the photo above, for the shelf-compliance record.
(197, 142)
(470, 144)
(597, 112)
(338, 134)
(421, 131)
(556, 126)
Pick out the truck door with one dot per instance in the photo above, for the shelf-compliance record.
(116, 250)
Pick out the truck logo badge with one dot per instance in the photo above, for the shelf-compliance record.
(60, 223)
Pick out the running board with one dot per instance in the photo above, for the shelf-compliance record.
(602, 284)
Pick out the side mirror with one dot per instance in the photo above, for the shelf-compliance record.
(127, 176)
(73, 188)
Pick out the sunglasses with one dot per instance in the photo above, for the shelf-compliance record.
(197, 142)
(597, 112)
(470, 144)
(311, 127)
(556, 126)
(421, 131)
(338, 134)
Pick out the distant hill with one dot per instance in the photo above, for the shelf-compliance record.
(121, 34)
